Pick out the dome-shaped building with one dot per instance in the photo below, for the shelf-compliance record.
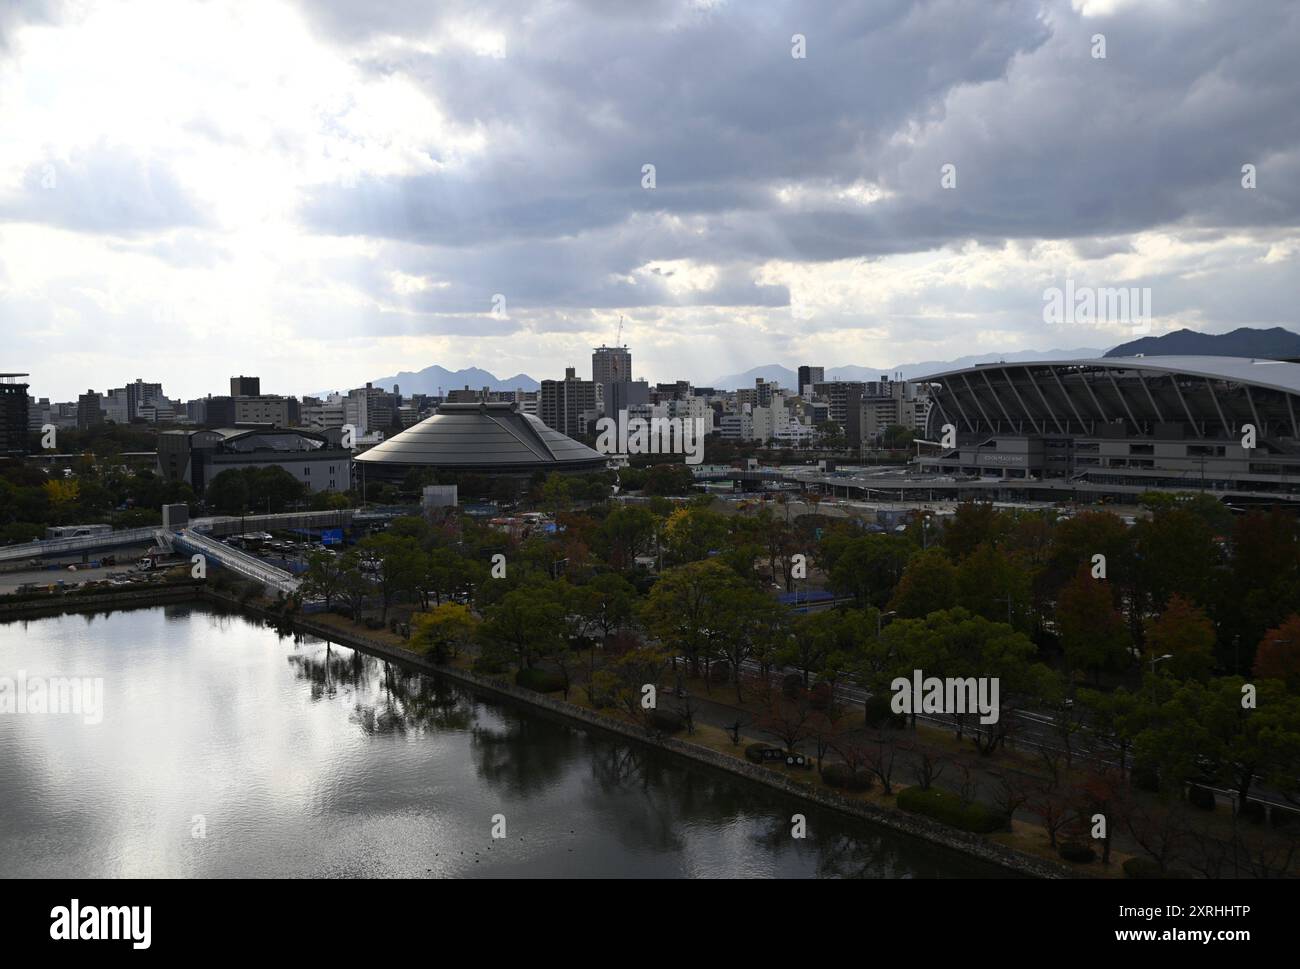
(483, 438)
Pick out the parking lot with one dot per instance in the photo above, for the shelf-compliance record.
(72, 573)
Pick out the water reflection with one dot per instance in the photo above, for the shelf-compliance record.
(309, 758)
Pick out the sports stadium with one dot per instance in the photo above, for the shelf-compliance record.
(1119, 426)
(479, 438)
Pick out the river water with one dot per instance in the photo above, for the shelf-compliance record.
(222, 748)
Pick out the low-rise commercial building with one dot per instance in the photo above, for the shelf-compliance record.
(196, 457)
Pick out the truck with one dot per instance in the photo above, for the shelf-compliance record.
(156, 558)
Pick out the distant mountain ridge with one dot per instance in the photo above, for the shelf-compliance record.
(1274, 343)
(789, 378)
(435, 379)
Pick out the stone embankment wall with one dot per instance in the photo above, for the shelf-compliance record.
(912, 825)
(56, 603)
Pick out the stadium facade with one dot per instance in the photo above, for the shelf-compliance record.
(1119, 426)
(482, 438)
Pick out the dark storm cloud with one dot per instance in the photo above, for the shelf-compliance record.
(1048, 142)
(713, 99)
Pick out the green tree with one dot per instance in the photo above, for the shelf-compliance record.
(685, 609)
(929, 583)
(992, 584)
(690, 534)
(751, 623)
(669, 479)
(1206, 731)
(528, 621)
(1176, 552)
(228, 492)
(975, 523)
(1115, 719)
(625, 533)
(394, 564)
(324, 577)
(954, 643)
(868, 568)
(609, 602)
(1184, 633)
(1093, 633)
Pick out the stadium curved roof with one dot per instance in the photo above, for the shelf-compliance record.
(1209, 396)
(1278, 375)
(483, 437)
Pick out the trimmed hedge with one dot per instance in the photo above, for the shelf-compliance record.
(1077, 851)
(669, 721)
(1143, 868)
(845, 778)
(946, 807)
(539, 680)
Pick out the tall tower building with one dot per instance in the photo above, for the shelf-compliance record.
(611, 370)
(611, 365)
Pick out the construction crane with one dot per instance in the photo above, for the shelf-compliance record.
(618, 334)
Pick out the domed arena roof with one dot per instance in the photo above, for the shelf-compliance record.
(485, 438)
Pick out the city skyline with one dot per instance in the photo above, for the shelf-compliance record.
(360, 189)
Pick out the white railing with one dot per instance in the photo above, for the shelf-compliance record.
(237, 561)
(59, 546)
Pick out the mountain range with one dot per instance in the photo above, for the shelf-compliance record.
(439, 380)
(1272, 343)
(789, 378)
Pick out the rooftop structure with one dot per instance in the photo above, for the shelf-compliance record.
(486, 438)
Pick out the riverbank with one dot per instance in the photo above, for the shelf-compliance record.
(337, 630)
(384, 645)
(161, 594)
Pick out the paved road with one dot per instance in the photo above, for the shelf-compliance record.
(10, 581)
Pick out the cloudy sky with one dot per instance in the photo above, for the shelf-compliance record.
(327, 192)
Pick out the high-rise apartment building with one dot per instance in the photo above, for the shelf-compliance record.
(140, 395)
(610, 366)
(90, 410)
(845, 399)
(568, 404)
(13, 414)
